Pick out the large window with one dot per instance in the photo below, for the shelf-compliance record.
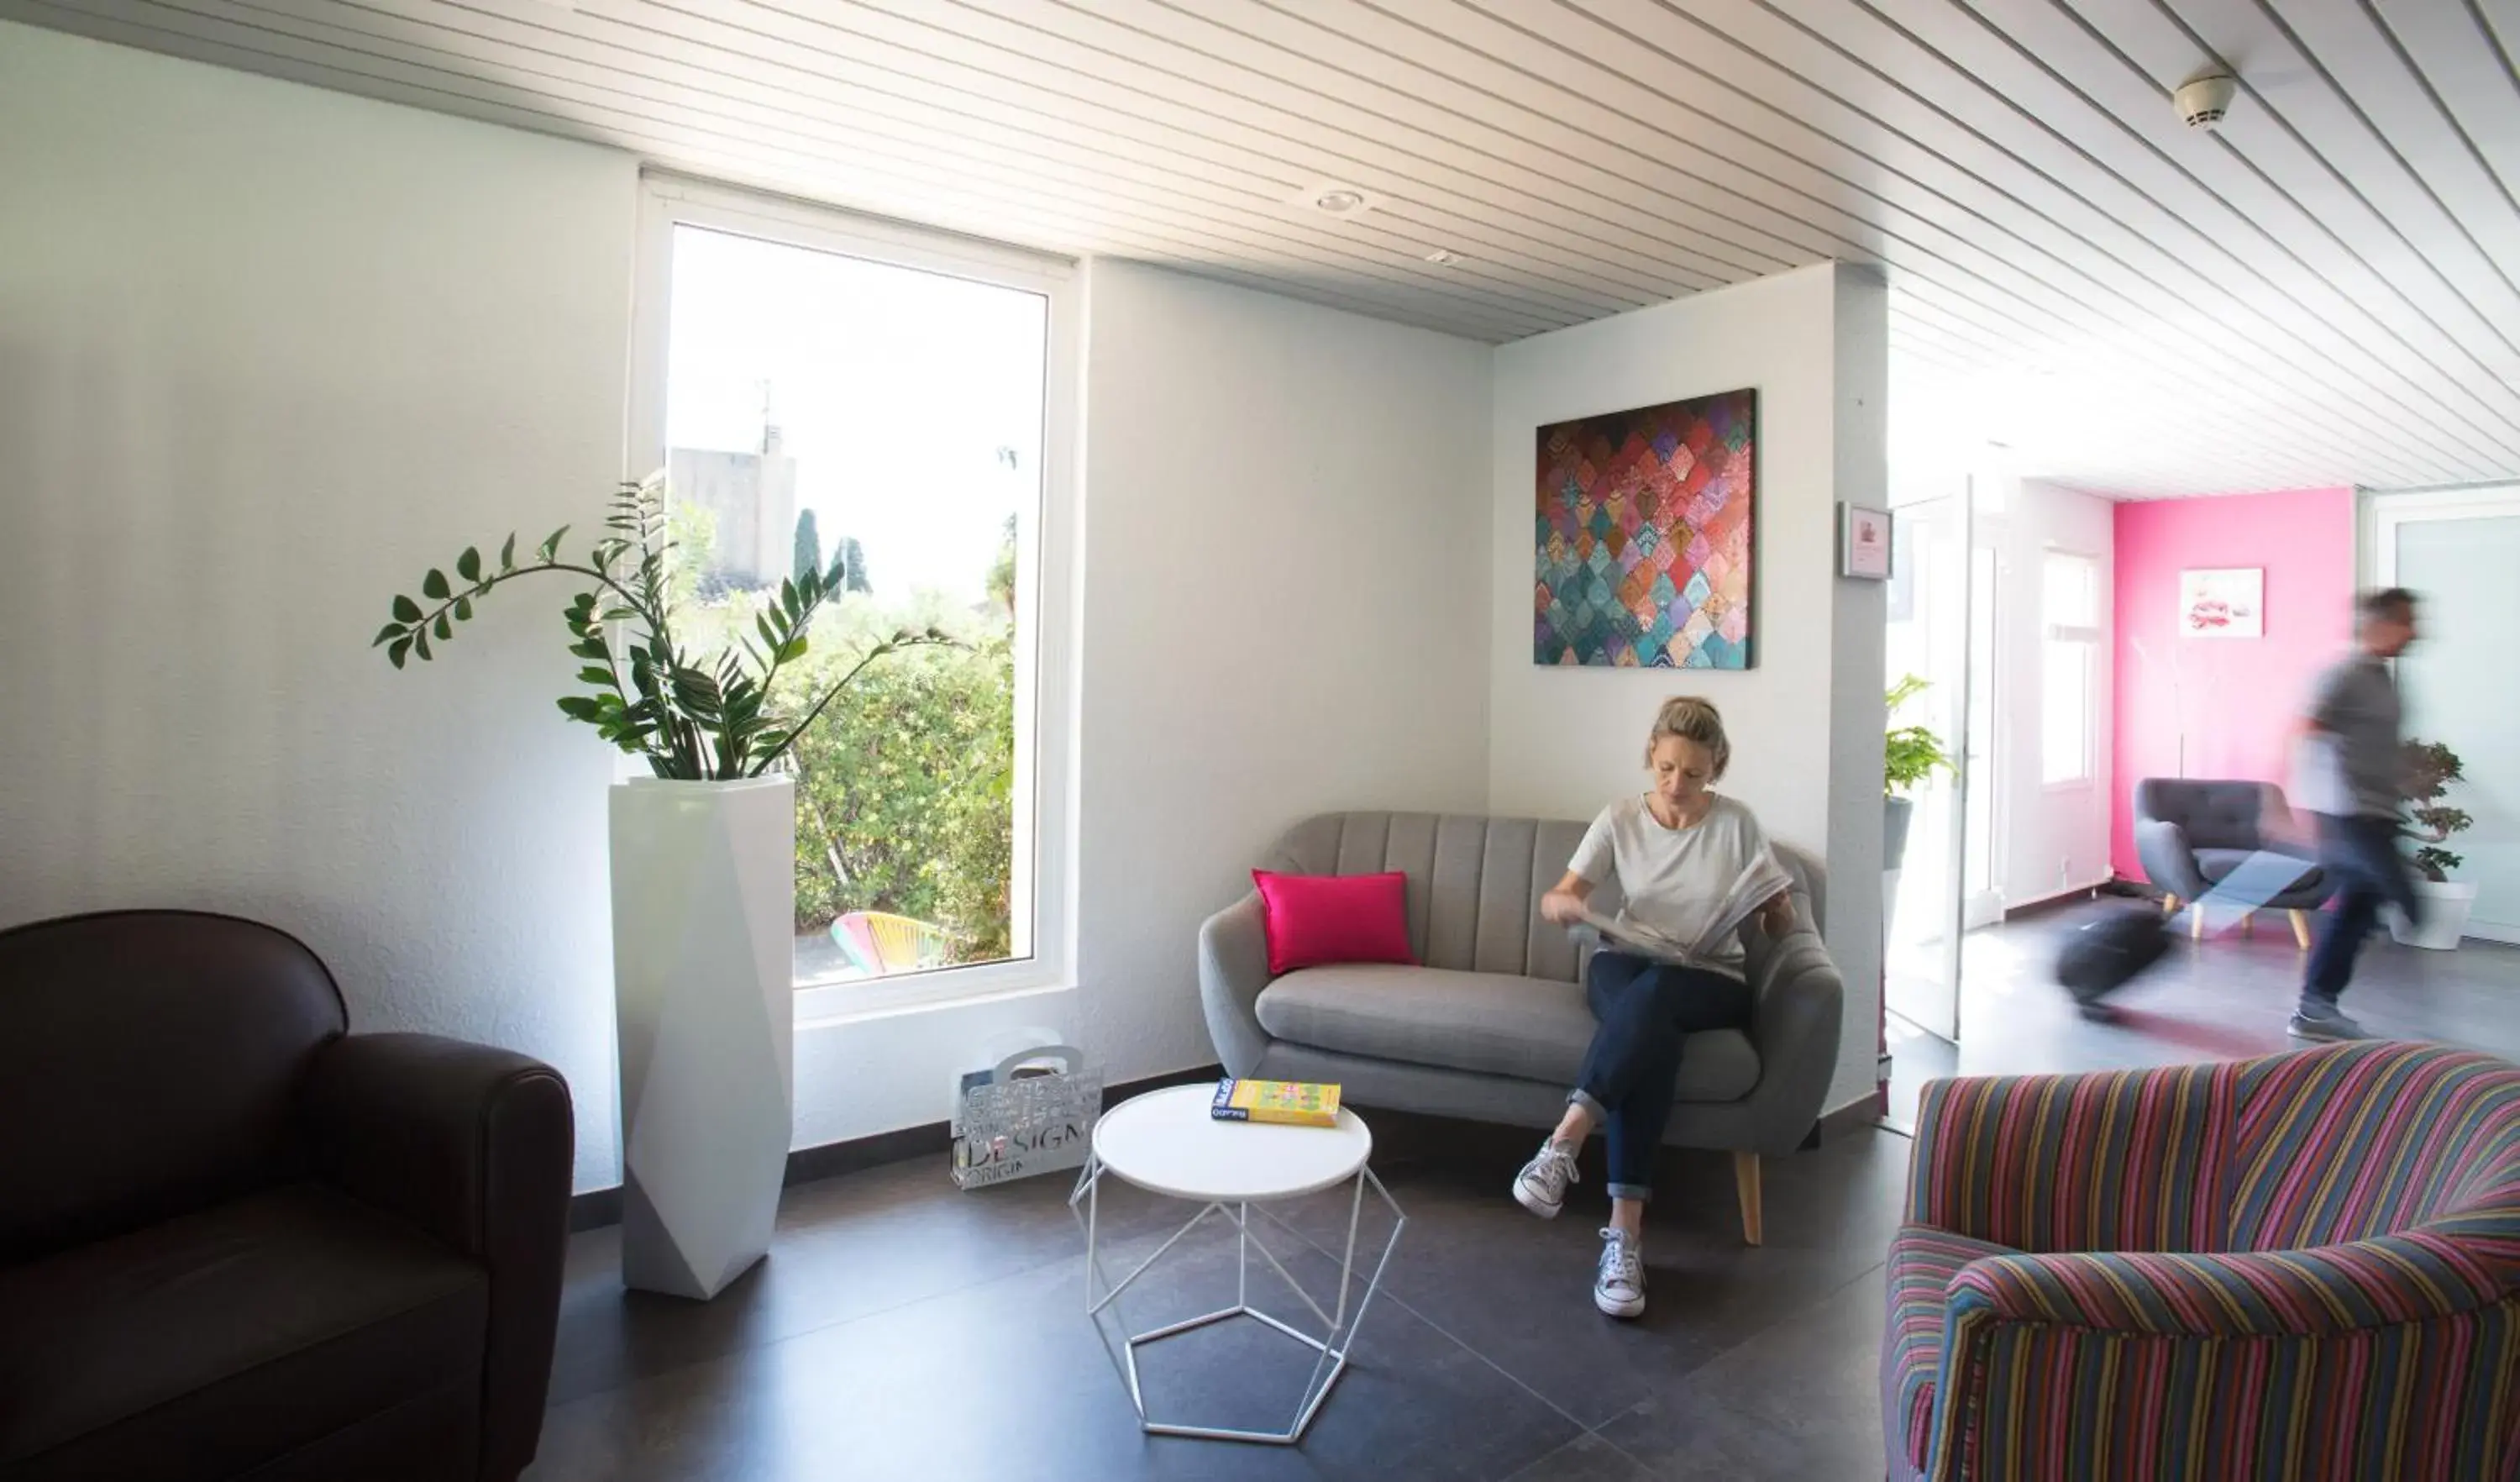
(850, 396)
(2069, 670)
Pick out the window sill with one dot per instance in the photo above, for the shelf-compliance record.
(848, 1000)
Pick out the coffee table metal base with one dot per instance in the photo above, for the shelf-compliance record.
(1339, 1326)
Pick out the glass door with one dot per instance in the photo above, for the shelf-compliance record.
(1928, 638)
(2456, 550)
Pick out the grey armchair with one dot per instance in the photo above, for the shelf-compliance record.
(1493, 1025)
(2189, 834)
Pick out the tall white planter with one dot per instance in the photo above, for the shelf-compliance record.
(703, 943)
(2446, 907)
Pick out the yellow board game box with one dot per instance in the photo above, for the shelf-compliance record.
(1303, 1104)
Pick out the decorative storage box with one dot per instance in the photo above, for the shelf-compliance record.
(1020, 1118)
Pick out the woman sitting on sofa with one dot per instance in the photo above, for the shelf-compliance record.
(1676, 851)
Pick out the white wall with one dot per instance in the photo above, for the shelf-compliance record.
(1282, 603)
(2049, 839)
(1806, 721)
(265, 354)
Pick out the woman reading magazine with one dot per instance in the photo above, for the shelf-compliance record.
(1692, 865)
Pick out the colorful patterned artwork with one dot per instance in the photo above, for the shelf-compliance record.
(1642, 536)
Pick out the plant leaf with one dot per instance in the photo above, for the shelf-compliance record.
(508, 555)
(595, 676)
(469, 565)
(549, 549)
(464, 610)
(400, 651)
(420, 643)
(445, 629)
(407, 610)
(434, 586)
(387, 634)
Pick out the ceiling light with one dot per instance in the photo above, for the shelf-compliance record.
(1443, 257)
(1333, 197)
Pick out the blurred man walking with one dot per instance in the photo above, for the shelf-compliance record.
(2356, 790)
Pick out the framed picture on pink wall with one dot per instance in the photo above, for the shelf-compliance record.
(2222, 602)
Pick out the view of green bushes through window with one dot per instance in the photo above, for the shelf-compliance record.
(819, 407)
(905, 786)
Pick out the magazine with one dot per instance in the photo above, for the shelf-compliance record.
(1758, 883)
(1302, 1103)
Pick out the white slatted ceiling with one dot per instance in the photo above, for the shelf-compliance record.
(2325, 291)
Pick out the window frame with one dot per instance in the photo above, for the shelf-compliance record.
(1043, 868)
(2089, 637)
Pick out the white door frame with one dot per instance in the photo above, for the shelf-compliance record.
(2382, 512)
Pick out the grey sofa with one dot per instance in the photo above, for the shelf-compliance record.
(1494, 1025)
(2189, 833)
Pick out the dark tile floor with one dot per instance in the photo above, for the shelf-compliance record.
(2223, 997)
(903, 1329)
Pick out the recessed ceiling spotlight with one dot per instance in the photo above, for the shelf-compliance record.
(1331, 198)
(1443, 257)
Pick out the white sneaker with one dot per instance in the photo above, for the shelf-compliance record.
(1541, 1187)
(1620, 1287)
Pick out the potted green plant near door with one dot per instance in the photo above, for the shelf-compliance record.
(1910, 755)
(703, 873)
(2431, 767)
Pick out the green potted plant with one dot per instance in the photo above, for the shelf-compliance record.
(703, 872)
(1910, 755)
(2431, 767)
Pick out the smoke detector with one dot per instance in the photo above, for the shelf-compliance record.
(1444, 257)
(1332, 198)
(2203, 100)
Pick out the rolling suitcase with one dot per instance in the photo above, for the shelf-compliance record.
(2116, 944)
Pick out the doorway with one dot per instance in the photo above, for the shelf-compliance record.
(1942, 632)
(1937, 648)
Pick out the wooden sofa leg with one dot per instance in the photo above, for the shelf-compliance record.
(2301, 927)
(1745, 1183)
(2169, 905)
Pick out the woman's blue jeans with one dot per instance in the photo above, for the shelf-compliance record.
(1646, 1012)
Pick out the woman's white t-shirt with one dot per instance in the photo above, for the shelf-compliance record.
(1674, 879)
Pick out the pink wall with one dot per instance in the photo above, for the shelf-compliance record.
(2238, 696)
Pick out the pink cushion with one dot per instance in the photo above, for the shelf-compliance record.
(1316, 918)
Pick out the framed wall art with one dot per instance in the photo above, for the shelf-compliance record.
(1644, 536)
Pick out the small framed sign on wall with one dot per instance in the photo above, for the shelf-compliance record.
(1862, 542)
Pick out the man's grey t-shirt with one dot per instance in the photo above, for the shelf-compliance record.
(2355, 704)
(1674, 879)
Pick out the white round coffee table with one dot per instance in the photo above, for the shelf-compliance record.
(1165, 1142)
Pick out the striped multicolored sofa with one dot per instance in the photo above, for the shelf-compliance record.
(2306, 1265)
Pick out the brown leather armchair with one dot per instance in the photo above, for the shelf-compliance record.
(237, 1241)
